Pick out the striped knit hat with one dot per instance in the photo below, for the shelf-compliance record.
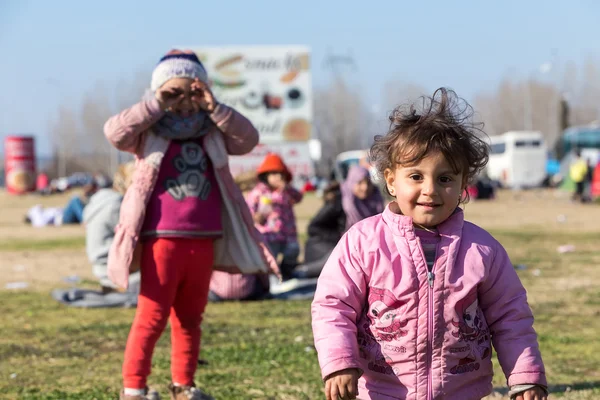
(177, 64)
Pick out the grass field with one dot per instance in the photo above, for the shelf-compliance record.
(264, 350)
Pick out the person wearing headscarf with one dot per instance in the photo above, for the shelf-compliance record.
(360, 198)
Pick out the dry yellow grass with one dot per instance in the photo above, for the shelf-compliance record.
(43, 267)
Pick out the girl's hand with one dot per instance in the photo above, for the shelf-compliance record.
(202, 96)
(532, 394)
(342, 385)
(169, 98)
(260, 218)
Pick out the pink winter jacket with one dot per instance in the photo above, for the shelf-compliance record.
(241, 249)
(419, 336)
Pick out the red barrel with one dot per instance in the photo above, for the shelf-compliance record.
(19, 164)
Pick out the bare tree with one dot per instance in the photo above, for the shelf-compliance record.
(77, 132)
(95, 110)
(394, 94)
(586, 95)
(63, 132)
(528, 105)
(397, 92)
(341, 120)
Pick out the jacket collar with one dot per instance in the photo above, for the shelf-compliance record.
(403, 225)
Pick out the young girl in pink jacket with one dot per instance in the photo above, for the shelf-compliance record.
(272, 204)
(411, 300)
(184, 212)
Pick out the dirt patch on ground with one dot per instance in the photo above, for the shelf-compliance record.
(549, 210)
(43, 269)
(40, 269)
(540, 209)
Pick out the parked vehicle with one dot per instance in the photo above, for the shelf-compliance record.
(518, 159)
(346, 159)
(580, 137)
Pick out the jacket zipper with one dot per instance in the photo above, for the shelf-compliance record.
(430, 281)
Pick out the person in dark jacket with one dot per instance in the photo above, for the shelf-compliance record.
(324, 231)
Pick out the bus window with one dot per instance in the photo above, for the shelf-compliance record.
(498, 148)
(525, 143)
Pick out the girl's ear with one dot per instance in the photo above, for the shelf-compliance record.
(390, 177)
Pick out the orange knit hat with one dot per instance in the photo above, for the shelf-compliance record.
(274, 163)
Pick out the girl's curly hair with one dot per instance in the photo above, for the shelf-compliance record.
(441, 123)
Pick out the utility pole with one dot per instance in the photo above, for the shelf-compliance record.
(333, 61)
(337, 63)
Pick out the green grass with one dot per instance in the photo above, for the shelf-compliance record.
(264, 350)
(254, 350)
(66, 243)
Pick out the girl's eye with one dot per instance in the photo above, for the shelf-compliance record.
(445, 179)
(415, 177)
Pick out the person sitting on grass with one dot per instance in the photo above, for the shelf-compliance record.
(101, 217)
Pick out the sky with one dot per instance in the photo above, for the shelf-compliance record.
(54, 52)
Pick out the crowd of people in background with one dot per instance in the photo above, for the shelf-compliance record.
(271, 198)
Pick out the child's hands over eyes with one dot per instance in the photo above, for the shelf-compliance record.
(169, 97)
(203, 96)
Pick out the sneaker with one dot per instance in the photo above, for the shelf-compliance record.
(188, 393)
(151, 394)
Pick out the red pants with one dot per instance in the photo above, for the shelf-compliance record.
(175, 277)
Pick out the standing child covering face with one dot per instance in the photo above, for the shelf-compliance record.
(411, 300)
(185, 209)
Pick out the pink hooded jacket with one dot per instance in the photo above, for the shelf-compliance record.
(419, 336)
(241, 250)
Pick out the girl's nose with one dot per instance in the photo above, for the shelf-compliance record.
(428, 187)
(187, 102)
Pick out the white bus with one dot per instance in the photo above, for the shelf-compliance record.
(518, 159)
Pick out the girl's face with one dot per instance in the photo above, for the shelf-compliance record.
(428, 191)
(276, 180)
(361, 189)
(176, 87)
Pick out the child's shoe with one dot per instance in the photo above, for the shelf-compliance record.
(188, 393)
(151, 394)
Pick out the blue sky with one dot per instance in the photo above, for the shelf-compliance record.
(53, 52)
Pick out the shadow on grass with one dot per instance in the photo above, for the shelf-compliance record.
(574, 387)
(561, 388)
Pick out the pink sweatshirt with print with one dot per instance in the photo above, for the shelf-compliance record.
(419, 336)
(242, 248)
